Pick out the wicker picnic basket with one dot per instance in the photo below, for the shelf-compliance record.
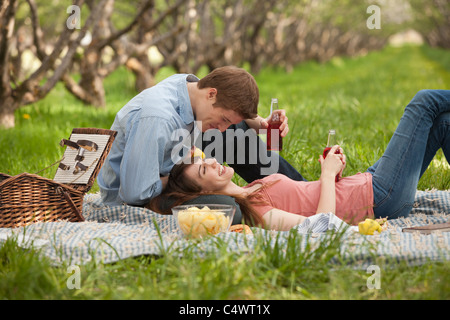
(28, 198)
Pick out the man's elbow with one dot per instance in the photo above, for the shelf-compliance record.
(140, 197)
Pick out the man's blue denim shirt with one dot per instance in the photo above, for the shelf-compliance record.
(143, 148)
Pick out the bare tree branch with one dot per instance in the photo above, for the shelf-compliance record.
(37, 31)
(149, 4)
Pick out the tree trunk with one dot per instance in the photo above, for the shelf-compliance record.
(7, 109)
(33, 88)
(7, 103)
(91, 81)
(93, 70)
(140, 66)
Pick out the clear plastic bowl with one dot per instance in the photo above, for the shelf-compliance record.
(199, 220)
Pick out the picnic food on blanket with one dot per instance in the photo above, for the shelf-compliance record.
(369, 226)
(240, 228)
(204, 220)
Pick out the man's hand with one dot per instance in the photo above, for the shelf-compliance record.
(284, 128)
(263, 123)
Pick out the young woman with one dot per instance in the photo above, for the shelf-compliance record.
(386, 189)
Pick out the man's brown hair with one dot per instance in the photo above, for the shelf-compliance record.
(236, 90)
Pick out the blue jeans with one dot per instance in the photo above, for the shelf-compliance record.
(423, 129)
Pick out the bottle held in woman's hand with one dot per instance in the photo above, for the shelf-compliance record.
(330, 143)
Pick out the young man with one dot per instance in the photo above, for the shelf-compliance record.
(142, 154)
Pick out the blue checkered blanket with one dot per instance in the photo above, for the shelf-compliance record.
(113, 233)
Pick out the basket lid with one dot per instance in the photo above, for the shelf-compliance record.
(86, 151)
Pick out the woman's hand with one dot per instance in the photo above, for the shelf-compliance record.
(331, 166)
(334, 163)
(344, 163)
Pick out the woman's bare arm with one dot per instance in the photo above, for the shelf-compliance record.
(327, 199)
(280, 220)
(332, 165)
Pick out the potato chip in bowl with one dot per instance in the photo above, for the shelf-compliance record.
(201, 220)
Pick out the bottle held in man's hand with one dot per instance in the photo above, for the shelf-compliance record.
(274, 139)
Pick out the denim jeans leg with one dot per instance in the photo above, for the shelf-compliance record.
(439, 138)
(247, 154)
(397, 172)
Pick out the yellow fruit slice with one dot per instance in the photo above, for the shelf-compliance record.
(196, 152)
(369, 226)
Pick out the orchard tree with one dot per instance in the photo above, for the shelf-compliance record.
(62, 50)
(14, 93)
(126, 45)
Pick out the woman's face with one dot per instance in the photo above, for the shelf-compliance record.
(210, 175)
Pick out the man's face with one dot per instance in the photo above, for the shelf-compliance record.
(218, 118)
(213, 117)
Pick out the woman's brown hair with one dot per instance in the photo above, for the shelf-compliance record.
(236, 90)
(180, 189)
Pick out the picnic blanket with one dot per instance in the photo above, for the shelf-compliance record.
(119, 232)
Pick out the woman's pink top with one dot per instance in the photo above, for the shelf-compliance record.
(354, 196)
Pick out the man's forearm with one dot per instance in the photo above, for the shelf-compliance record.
(255, 123)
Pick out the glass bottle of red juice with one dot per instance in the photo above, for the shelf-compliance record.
(330, 143)
(274, 139)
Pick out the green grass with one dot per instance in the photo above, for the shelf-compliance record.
(267, 273)
(362, 98)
